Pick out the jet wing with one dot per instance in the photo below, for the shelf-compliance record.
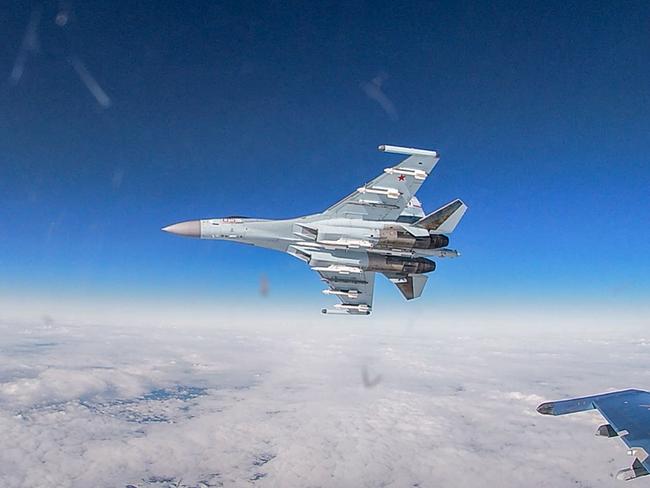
(386, 197)
(354, 289)
(345, 279)
(628, 415)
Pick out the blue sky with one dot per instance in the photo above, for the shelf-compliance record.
(541, 114)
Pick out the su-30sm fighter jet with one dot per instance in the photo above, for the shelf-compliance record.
(379, 228)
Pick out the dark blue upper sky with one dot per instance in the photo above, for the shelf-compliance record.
(541, 112)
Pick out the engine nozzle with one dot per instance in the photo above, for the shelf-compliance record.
(401, 265)
(437, 241)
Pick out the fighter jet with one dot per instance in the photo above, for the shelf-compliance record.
(378, 228)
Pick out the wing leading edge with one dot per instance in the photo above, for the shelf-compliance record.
(386, 197)
(628, 415)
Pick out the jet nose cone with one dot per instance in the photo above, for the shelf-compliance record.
(190, 228)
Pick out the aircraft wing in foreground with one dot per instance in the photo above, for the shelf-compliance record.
(627, 414)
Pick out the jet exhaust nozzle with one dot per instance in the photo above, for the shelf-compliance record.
(401, 265)
(438, 240)
(397, 237)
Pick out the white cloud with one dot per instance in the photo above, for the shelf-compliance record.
(90, 405)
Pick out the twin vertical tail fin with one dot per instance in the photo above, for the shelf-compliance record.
(442, 221)
(445, 219)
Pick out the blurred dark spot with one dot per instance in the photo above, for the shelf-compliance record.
(48, 321)
(264, 285)
(367, 381)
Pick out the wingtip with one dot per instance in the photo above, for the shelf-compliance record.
(409, 151)
(545, 408)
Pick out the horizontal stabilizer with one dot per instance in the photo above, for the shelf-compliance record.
(411, 286)
(445, 219)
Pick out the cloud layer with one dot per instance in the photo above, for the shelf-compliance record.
(314, 403)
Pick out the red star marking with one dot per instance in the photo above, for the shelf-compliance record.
(401, 177)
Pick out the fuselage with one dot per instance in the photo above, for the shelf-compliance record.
(390, 238)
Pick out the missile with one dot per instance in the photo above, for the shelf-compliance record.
(349, 243)
(447, 253)
(418, 174)
(346, 309)
(393, 193)
(349, 293)
(338, 268)
(411, 151)
(325, 311)
(361, 308)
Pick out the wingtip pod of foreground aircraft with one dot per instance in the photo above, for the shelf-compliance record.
(378, 228)
(628, 415)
